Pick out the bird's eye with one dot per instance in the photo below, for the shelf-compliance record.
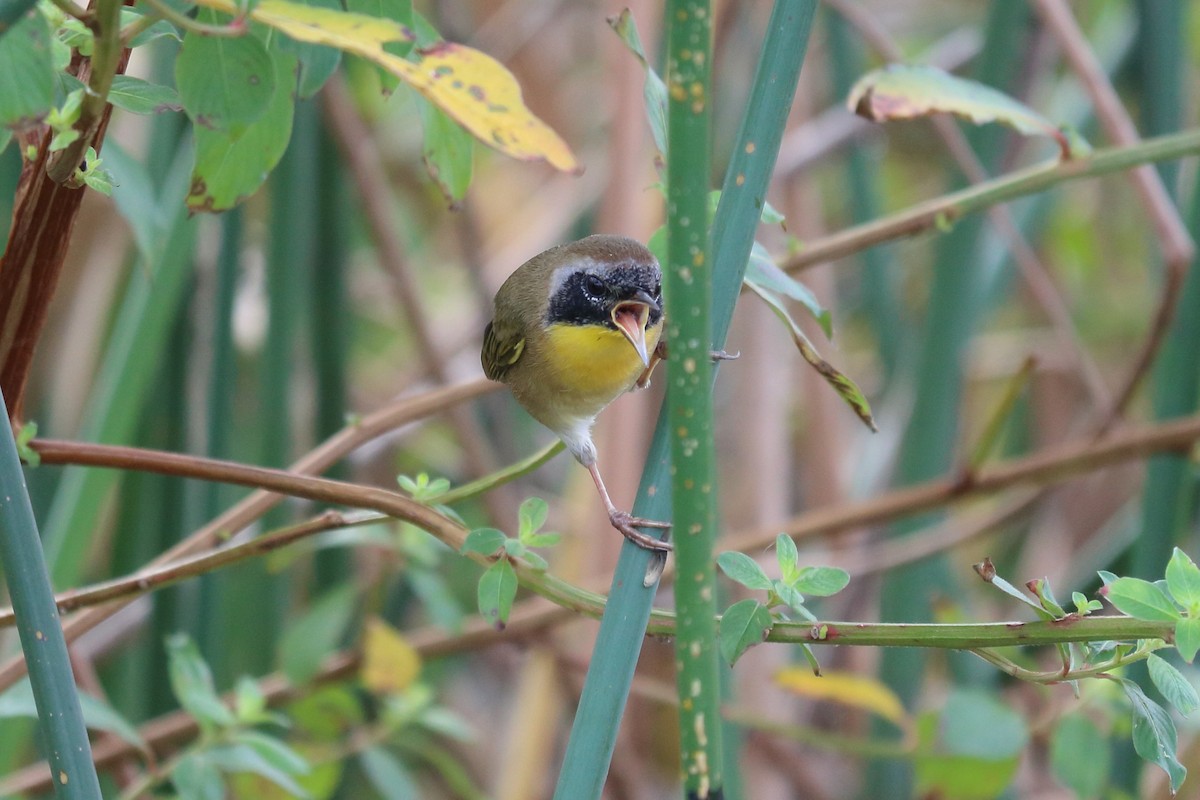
(594, 285)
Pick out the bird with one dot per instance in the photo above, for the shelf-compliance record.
(573, 328)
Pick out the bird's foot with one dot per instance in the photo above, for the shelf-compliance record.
(721, 355)
(628, 525)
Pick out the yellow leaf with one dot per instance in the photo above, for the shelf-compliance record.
(389, 662)
(470, 86)
(844, 688)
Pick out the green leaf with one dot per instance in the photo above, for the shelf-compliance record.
(1175, 688)
(142, 97)
(448, 152)
(26, 71)
(743, 569)
(192, 683)
(197, 778)
(497, 589)
(485, 541)
(1045, 595)
(654, 90)
(1154, 736)
(786, 556)
(1080, 756)
(970, 750)
(792, 598)
(1187, 638)
(1142, 600)
(25, 435)
(541, 539)
(389, 777)
(316, 633)
(743, 625)
(763, 273)
(249, 701)
(908, 91)
(975, 723)
(1183, 581)
(532, 516)
(1083, 606)
(226, 83)
(845, 387)
(230, 168)
(261, 755)
(821, 581)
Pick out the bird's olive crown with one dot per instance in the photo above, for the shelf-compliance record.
(586, 293)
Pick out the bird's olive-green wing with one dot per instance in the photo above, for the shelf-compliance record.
(501, 349)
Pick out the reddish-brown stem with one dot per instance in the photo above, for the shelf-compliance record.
(44, 214)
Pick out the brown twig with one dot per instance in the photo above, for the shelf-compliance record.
(243, 513)
(154, 578)
(1049, 466)
(1177, 245)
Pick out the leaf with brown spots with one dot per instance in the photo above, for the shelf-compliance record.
(470, 86)
(908, 91)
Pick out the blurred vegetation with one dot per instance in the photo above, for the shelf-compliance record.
(300, 279)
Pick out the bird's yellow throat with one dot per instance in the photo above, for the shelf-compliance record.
(600, 360)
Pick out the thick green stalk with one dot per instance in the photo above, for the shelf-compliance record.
(594, 732)
(331, 318)
(1162, 66)
(21, 558)
(688, 289)
(1169, 502)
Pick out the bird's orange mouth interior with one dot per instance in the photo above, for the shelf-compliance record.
(631, 317)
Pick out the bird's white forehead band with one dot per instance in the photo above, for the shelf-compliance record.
(586, 264)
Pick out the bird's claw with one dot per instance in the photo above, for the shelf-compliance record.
(628, 525)
(721, 355)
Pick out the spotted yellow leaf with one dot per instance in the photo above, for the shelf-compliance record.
(389, 662)
(844, 688)
(472, 87)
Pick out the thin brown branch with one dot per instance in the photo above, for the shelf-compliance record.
(154, 578)
(1177, 245)
(318, 460)
(1049, 466)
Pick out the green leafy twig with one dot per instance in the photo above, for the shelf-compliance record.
(498, 585)
(748, 622)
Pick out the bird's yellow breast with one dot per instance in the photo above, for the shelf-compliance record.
(593, 363)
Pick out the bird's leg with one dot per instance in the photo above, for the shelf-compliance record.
(659, 354)
(625, 522)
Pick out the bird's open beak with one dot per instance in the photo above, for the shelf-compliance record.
(630, 317)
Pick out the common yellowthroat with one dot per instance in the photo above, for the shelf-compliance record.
(575, 327)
